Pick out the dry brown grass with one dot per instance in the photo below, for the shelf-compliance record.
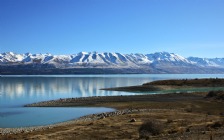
(182, 124)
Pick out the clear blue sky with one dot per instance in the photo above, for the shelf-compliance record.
(185, 27)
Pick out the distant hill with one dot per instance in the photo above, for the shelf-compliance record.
(106, 63)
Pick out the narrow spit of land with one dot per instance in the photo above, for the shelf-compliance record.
(100, 100)
(172, 85)
(160, 116)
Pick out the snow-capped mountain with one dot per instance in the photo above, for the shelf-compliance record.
(159, 62)
(207, 62)
(166, 58)
(84, 59)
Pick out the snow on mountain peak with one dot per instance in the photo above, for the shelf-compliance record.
(108, 59)
(83, 53)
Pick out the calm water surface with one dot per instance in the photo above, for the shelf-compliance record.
(16, 91)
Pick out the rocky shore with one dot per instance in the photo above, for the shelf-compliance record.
(92, 117)
(97, 101)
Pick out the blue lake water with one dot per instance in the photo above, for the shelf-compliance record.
(16, 91)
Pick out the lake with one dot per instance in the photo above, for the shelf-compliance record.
(16, 91)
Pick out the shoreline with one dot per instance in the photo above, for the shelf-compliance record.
(176, 108)
(87, 118)
(192, 115)
(96, 102)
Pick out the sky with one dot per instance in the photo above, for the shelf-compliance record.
(185, 27)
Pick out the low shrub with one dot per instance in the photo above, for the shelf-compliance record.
(169, 121)
(216, 94)
(151, 127)
(218, 124)
(211, 94)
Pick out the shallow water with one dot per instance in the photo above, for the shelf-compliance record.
(16, 91)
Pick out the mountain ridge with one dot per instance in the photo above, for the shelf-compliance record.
(158, 62)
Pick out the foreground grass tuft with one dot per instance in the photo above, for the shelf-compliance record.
(150, 127)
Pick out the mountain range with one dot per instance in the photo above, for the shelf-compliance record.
(106, 63)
